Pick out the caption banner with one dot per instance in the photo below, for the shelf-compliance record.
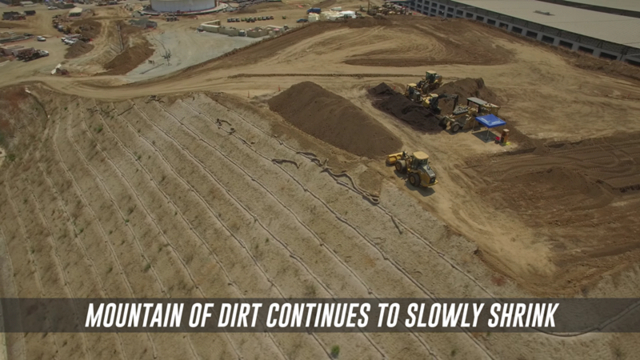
(320, 315)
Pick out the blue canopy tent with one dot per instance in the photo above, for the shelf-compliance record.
(490, 121)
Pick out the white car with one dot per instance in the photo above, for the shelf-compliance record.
(52, 8)
(41, 38)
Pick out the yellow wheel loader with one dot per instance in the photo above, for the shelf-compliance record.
(430, 82)
(416, 166)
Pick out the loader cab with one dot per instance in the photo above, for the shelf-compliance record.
(432, 77)
(421, 169)
(419, 159)
(413, 93)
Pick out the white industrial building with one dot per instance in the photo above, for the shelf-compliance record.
(173, 6)
(601, 34)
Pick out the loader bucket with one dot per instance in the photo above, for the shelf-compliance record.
(392, 158)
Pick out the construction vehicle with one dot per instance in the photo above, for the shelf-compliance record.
(430, 82)
(413, 93)
(463, 117)
(432, 102)
(416, 165)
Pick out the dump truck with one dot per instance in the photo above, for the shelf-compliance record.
(416, 166)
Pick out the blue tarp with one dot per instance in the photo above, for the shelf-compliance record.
(490, 121)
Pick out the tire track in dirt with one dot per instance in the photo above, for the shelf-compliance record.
(97, 220)
(19, 351)
(149, 215)
(58, 263)
(238, 204)
(136, 238)
(292, 213)
(370, 241)
(85, 253)
(185, 182)
(174, 248)
(28, 247)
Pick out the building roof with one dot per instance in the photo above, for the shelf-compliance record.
(632, 5)
(617, 29)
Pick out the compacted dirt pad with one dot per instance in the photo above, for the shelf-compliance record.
(334, 119)
(584, 195)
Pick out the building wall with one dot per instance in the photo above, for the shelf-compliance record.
(182, 5)
(596, 47)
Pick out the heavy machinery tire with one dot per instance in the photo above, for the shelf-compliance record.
(443, 124)
(414, 179)
(455, 128)
(401, 167)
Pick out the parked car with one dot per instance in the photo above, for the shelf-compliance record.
(52, 8)
(302, 20)
(41, 38)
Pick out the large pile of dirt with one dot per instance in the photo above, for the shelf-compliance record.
(334, 119)
(87, 28)
(133, 55)
(78, 49)
(396, 104)
(465, 88)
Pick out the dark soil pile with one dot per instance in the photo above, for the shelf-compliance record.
(78, 49)
(133, 55)
(87, 28)
(396, 104)
(334, 119)
(465, 88)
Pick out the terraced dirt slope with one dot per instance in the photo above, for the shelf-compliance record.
(160, 198)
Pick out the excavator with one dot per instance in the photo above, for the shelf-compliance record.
(432, 102)
(416, 165)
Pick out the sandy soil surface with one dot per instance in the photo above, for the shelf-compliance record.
(169, 193)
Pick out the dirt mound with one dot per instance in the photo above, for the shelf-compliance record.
(133, 55)
(334, 119)
(465, 88)
(87, 28)
(78, 49)
(396, 104)
(383, 89)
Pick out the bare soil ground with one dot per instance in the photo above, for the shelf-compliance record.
(111, 194)
(135, 50)
(156, 198)
(335, 120)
